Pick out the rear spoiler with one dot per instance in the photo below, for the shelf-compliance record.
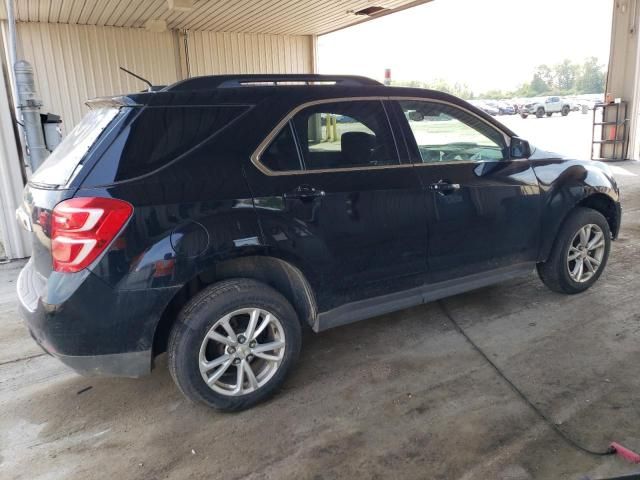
(111, 102)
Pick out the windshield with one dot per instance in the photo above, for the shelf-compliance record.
(65, 159)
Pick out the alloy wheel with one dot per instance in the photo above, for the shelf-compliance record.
(242, 351)
(585, 253)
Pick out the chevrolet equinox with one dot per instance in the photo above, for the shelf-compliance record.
(215, 218)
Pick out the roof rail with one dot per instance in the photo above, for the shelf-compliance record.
(231, 81)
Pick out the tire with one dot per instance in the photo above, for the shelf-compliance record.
(565, 111)
(233, 302)
(540, 113)
(555, 272)
(549, 114)
(524, 115)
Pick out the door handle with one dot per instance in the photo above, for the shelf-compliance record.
(304, 192)
(444, 187)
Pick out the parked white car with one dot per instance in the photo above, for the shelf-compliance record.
(550, 106)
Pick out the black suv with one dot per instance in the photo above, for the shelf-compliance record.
(217, 217)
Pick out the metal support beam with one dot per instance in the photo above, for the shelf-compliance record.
(14, 240)
(624, 65)
(314, 54)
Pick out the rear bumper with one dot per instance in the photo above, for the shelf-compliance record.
(128, 364)
(88, 325)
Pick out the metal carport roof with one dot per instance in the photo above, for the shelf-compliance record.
(288, 17)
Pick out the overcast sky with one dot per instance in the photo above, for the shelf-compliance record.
(484, 43)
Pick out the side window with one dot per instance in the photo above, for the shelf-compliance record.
(160, 135)
(282, 155)
(344, 134)
(444, 133)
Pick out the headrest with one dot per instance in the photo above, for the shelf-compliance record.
(357, 147)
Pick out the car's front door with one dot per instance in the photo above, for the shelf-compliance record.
(483, 208)
(335, 198)
(553, 105)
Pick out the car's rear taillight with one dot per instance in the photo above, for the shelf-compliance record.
(81, 228)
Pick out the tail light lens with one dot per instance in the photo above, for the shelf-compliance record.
(81, 228)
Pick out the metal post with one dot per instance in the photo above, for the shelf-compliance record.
(11, 22)
(15, 240)
(28, 103)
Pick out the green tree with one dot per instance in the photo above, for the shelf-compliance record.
(496, 94)
(462, 90)
(546, 73)
(565, 78)
(565, 75)
(592, 77)
(537, 86)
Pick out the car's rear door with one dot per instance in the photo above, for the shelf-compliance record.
(483, 208)
(335, 198)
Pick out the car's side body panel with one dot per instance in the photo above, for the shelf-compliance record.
(364, 235)
(489, 221)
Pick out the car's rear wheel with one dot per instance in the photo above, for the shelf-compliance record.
(540, 113)
(524, 115)
(579, 254)
(565, 111)
(233, 344)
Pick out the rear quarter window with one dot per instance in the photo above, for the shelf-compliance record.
(160, 135)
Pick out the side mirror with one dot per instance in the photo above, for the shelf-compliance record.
(519, 148)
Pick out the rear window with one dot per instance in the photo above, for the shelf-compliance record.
(67, 157)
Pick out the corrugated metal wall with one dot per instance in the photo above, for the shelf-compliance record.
(220, 53)
(76, 62)
(73, 63)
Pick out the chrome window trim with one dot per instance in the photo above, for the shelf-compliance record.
(255, 156)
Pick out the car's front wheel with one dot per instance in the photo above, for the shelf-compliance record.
(579, 254)
(233, 344)
(524, 115)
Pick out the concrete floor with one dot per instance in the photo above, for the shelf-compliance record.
(400, 396)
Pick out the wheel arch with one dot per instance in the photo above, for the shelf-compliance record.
(600, 202)
(277, 273)
(607, 207)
